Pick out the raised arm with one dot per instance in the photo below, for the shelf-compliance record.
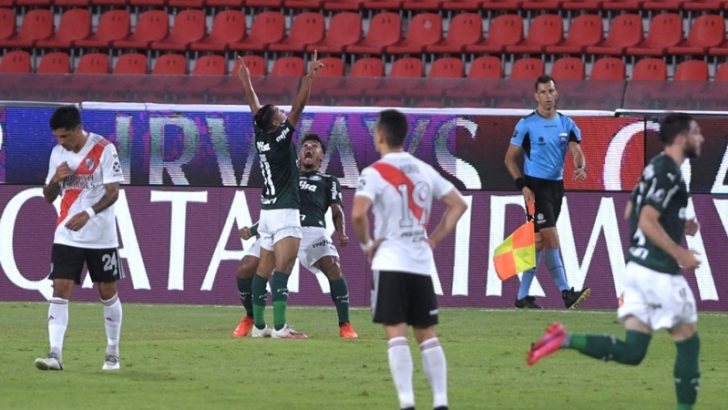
(244, 76)
(456, 207)
(303, 93)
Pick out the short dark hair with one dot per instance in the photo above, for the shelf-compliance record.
(264, 117)
(393, 124)
(674, 124)
(314, 137)
(68, 117)
(544, 79)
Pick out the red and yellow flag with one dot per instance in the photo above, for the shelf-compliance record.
(517, 253)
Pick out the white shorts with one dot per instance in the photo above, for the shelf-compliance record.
(276, 224)
(659, 300)
(253, 251)
(315, 244)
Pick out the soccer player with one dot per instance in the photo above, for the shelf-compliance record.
(279, 225)
(84, 169)
(656, 295)
(319, 192)
(543, 137)
(399, 189)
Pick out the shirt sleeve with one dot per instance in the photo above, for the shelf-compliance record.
(440, 185)
(519, 134)
(368, 184)
(52, 165)
(574, 132)
(335, 190)
(110, 166)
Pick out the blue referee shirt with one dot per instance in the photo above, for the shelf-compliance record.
(545, 142)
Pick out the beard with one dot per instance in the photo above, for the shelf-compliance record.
(691, 151)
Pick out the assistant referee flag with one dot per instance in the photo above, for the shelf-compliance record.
(517, 253)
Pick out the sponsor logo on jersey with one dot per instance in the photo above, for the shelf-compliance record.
(324, 242)
(283, 135)
(305, 186)
(262, 146)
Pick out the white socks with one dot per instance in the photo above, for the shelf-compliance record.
(400, 364)
(57, 324)
(112, 322)
(435, 365)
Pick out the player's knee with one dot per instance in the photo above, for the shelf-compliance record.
(633, 358)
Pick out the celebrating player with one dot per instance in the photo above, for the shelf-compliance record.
(543, 136)
(399, 189)
(656, 296)
(279, 225)
(84, 169)
(317, 253)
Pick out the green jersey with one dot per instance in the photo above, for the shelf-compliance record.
(318, 192)
(278, 164)
(662, 187)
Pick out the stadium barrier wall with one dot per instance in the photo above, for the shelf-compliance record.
(192, 181)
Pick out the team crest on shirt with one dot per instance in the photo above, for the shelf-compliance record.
(564, 137)
(90, 164)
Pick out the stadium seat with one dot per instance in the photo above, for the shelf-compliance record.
(7, 23)
(303, 4)
(465, 29)
(342, 5)
(307, 28)
(706, 31)
(462, 5)
(333, 67)
(227, 27)
(37, 25)
(147, 3)
(407, 67)
(117, 3)
(264, 3)
(665, 31)
(256, 65)
(113, 25)
(34, 3)
(545, 30)
(234, 4)
(608, 68)
(170, 64)
(365, 74)
(93, 63)
(504, 30)
(446, 67)
(486, 67)
(71, 3)
(703, 5)
(722, 73)
(424, 29)
(663, 5)
(268, 27)
(189, 26)
(422, 5)
(384, 30)
(132, 63)
(585, 31)
(691, 70)
(15, 62)
(650, 69)
(625, 30)
(551, 5)
(75, 25)
(382, 4)
(186, 4)
(527, 69)
(344, 30)
(210, 65)
(288, 67)
(501, 5)
(582, 5)
(622, 5)
(152, 25)
(367, 67)
(54, 63)
(568, 68)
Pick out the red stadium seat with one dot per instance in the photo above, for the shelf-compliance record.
(608, 68)
(170, 64)
(504, 30)
(71, 3)
(407, 67)
(499, 5)
(663, 5)
(54, 63)
(462, 5)
(131, 64)
(665, 31)
(582, 5)
(148, 3)
(93, 63)
(333, 67)
(692, 70)
(340, 5)
(235, 4)
(622, 5)
(625, 30)
(384, 30)
(192, 4)
(152, 25)
(527, 69)
(423, 5)
(382, 4)
(268, 27)
(344, 30)
(75, 25)
(424, 29)
(15, 62)
(303, 4)
(37, 25)
(118, 3)
(585, 31)
(307, 28)
(210, 65)
(288, 67)
(446, 67)
(545, 30)
(703, 5)
(189, 26)
(113, 25)
(264, 3)
(7, 23)
(367, 67)
(650, 69)
(551, 5)
(34, 3)
(568, 68)
(228, 27)
(256, 65)
(486, 67)
(705, 32)
(722, 73)
(365, 75)
(465, 29)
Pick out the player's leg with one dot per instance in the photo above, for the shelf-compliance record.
(523, 299)
(244, 278)
(401, 366)
(105, 270)
(67, 263)
(259, 291)
(687, 370)
(331, 267)
(286, 251)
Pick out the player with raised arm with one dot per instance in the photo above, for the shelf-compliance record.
(399, 189)
(84, 170)
(656, 296)
(279, 224)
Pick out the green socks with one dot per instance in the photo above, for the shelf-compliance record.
(340, 296)
(279, 288)
(606, 347)
(259, 298)
(687, 372)
(245, 289)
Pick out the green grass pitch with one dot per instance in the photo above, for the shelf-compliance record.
(184, 357)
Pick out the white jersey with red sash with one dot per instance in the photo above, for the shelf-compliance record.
(96, 164)
(401, 188)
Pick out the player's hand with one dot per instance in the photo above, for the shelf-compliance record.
(243, 72)
(687, 260)
(62, 172)
(316, 65)
(527, 194)
(691, 226)
(373, 249)
(579, 174)
(78, 221)
(343, 239)
(245, 233)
